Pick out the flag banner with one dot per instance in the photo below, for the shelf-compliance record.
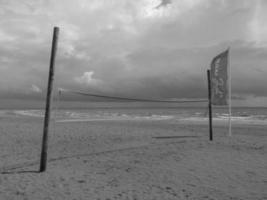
(219, 79)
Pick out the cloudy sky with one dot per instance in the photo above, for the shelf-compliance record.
(141, 48)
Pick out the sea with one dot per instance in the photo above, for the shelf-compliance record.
(144, 112)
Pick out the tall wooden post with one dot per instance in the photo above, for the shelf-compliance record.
(230, 93)
(43, 160)
(210, 106)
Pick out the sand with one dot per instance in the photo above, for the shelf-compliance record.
(132, 160)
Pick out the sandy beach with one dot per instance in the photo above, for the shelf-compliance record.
(160, 159)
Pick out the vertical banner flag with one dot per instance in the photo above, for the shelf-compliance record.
(219, 79)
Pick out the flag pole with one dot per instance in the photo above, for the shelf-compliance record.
(230, 94)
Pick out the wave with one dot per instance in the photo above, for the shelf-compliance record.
(64, 115)
(115, 117)
(97, 115)
(30, 113)
(235, 119)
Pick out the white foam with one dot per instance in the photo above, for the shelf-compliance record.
(234, 119)
(116, 118)
(31, 113)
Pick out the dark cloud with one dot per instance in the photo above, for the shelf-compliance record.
(163, 4)
(129, 48)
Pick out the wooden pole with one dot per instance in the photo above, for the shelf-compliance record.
(230, 93)
(43, 160)
(210, 106)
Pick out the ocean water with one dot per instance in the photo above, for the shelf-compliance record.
(243, 115)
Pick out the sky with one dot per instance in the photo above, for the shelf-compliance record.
(141, 48)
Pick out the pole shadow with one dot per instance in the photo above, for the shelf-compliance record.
(20, 172)
(173, 136)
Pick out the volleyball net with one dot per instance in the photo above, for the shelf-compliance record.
(129, 99)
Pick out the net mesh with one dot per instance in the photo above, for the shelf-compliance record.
(131, 99)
